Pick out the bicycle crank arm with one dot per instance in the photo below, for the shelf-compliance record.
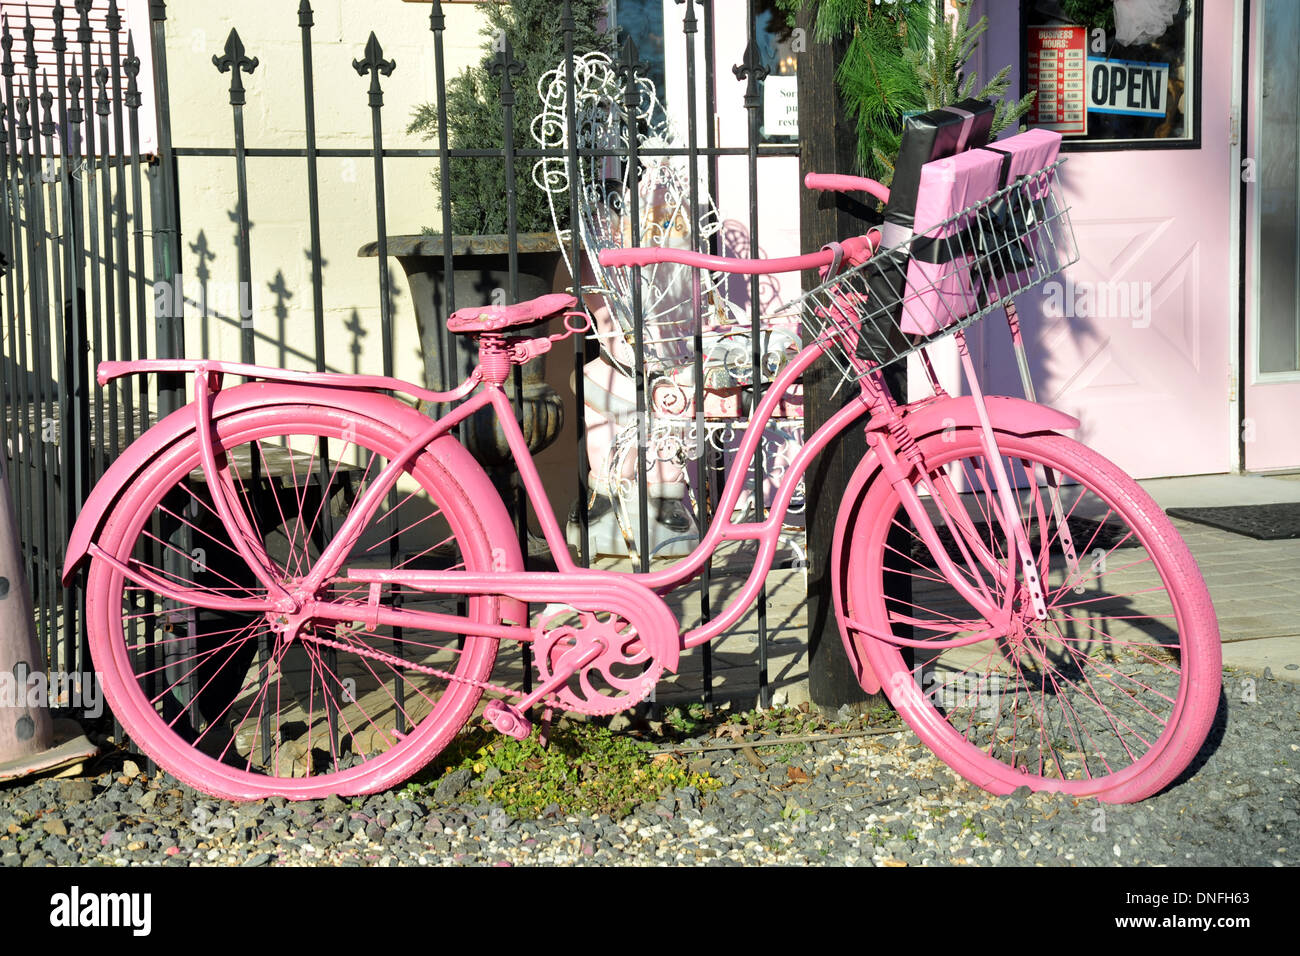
(511, 719)
(596, 591)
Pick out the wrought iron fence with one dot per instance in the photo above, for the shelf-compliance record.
(91, 229)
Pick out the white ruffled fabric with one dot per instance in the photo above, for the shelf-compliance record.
(1141, 21)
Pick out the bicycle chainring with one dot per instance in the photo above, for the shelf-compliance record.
(621, 676)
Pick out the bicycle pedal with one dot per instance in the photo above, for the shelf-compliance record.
(507, 720)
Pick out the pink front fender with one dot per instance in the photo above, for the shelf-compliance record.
(1012, 415)
(468, 473)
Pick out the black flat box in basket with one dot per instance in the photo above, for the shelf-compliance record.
(936, 134)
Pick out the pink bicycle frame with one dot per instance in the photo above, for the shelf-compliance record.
(886, 425)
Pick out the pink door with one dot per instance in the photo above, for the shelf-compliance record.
(1135, 339)
(1270, 434)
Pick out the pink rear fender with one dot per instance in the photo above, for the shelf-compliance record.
(1012, 415)
(473, 482)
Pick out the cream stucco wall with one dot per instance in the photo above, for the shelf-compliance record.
(277, 187)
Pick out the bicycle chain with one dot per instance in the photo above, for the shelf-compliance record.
(410, 665)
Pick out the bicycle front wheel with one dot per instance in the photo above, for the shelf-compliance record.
(1110, 696)
(230, 702)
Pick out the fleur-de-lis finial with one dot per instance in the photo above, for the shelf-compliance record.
(114, 19)
(233, 63)
(505, 66)
(374, 63)
(60, 39)
(29, 37)
(751, 71)
(21, 102)
(47, 108)
(629, 66)
(74, 93)
(131, 66)
(6, 44)
(84, 31)
(101, 80)
(752, 68)
(689, 22)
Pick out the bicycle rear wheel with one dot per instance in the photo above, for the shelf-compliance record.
(1113, 694)
(226, 700)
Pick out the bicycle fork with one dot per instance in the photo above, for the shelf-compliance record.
(900, 457)
(1010, 512)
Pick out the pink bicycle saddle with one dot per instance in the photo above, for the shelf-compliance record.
(494, 318)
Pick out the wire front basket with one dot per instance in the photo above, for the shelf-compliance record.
(945, 279)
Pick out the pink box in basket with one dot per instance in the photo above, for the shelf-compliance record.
(1023, 155)
(939, 293)
(1029, 151)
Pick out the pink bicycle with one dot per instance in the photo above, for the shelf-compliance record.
(299, 585)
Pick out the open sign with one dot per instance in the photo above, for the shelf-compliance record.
(1127, 87)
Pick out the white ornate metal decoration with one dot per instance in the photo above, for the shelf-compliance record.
(672, 297)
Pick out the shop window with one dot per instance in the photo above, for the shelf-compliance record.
(644, 21)
(1114, 73)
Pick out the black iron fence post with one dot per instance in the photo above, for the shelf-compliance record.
(702, 450)
(446, 347)
(132, 102)
(506, 67)
(374, 64)
(76, 382)
(85, 34)
(235, 62)
(117, 211)
(569, 25)
(305, 23)
(112, 322)
(24, 391)
(42, 348)
(752, 72)
(169, 297)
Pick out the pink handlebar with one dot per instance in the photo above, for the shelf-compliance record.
(835, 182)
(650, 255)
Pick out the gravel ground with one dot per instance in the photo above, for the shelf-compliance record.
(873, 800)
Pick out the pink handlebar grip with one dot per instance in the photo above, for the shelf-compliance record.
(835, 182)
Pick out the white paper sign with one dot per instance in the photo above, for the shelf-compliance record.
(781, 106)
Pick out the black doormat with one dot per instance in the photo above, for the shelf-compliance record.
(1262, 522)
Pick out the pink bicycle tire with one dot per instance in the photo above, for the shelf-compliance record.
(1123, 701)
